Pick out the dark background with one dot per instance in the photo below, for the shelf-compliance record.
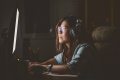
(37, 17)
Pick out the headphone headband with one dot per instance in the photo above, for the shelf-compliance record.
(75, 29)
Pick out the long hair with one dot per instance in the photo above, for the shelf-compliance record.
(80, 32)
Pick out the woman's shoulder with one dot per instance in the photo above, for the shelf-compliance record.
(84, 47)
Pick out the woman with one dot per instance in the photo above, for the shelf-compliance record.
(75, 54)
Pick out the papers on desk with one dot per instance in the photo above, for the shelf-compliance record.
(63, 75)
(53, 76)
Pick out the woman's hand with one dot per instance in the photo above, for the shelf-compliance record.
(35, 68)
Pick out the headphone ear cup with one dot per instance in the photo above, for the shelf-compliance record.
(75, 29)
(72, 33)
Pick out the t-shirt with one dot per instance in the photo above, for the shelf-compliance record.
(82, 59)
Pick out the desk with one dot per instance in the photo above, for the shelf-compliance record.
(52, 76)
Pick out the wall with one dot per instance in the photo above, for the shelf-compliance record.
(61, 8)
(38, 16)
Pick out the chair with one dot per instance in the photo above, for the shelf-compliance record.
(107, 42)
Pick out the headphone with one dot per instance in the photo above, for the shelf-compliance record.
(74, 30)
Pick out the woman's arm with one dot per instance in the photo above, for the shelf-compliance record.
(32, 65)
(58, 69)
(50, 61)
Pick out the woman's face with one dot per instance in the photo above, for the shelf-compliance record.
(63, 32)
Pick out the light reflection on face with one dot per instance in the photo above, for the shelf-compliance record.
(63, 32)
